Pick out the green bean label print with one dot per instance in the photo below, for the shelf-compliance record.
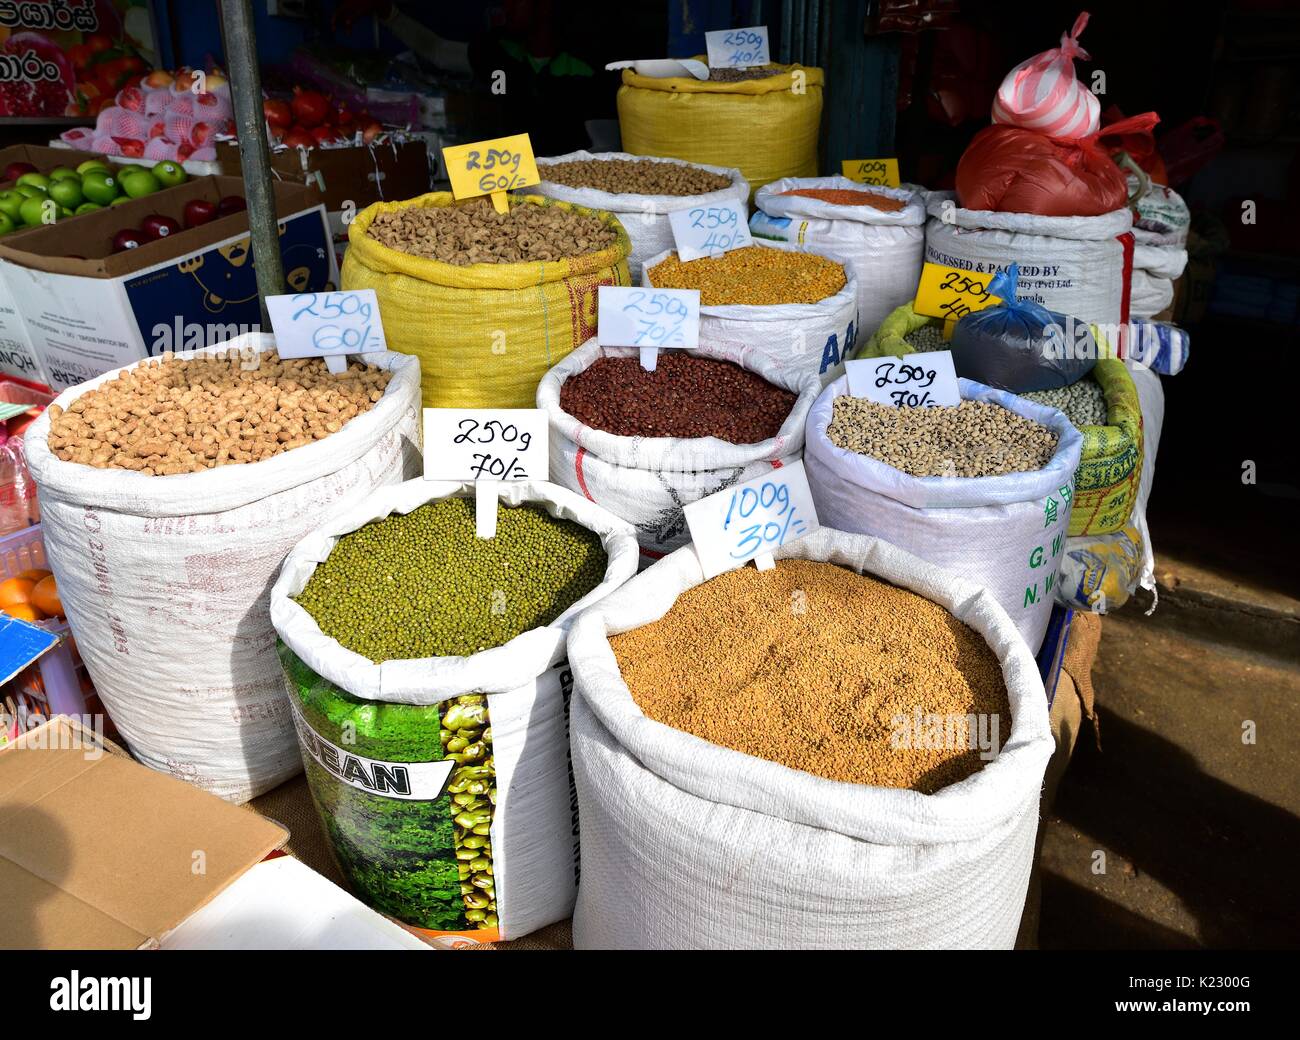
(407, 845)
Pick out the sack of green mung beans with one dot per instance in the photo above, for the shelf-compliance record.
(170, 491)
(646, 444)
(425, 669)
(641, 191)
(722, 806)
(795, 305)
(983, 489)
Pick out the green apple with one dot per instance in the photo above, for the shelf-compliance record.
(67, 192)
(10, 202)
(138, 185)
(36, 180)
(6, 225)
(121, 200)
(87, 207)
(94, 164)
(99, 186)
(30, 191)
(62, 173)
(33, 211)
(170, 173)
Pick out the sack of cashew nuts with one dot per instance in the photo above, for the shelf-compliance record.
(488, 302)
(165, 564)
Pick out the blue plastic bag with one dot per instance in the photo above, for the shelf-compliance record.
(1019, 345)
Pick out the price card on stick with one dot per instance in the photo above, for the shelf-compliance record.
(880, 172)
(491, 168)
(925, 380)
(649, 319)
(710, 230)
(738, 48)
(327, 324)
(751, 520)
(951, 293)
(487, 446)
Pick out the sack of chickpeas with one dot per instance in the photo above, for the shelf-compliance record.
(487, 301)
(983, 489)
(644, 444)
(640, 191)
(794, 305)
(170, 491)
(428, 684)
(888, 798)
(879, 231)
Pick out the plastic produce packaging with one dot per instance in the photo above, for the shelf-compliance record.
(644, 216)
(882, 247)
(664, 814)
(443, 783)
(1043, 94)
(166, 579)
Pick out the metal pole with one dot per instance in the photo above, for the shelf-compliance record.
(254, 157)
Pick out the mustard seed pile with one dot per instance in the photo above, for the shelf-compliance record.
(635, 177)
(818, 668)
(753, 275)
(974, 439)
(170, 415)
(474, 232)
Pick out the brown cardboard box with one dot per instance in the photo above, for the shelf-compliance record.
(360, 175)
(98, 852)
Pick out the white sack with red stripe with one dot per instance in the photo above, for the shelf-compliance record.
(1043, 94)
(647, 480)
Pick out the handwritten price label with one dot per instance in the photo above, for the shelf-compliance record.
(880, 172)
(491, 168)
(710, 230)
(738, 48)
(752, 520)
(948, 292)
(649, 319)
(924, 380)
(328, 325)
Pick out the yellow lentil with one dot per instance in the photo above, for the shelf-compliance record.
(755, 275)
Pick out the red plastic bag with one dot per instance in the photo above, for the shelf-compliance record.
(1013, 170)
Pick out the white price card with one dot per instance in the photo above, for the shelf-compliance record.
(487, 446)
(710, 230)
(327, 324)
(751, 520)
(925, 380)
(649, 319)
(738, 48)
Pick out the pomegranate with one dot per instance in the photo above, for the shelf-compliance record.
(298, 137)
(277, 113)
(309, 107)
(44, 81)
(370, 132)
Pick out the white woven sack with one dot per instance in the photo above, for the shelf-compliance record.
(644, 217)
(1158, 259)
(885, 250)
(1078, 266)
(167, 580)
(1006, 533)
(1149, 294)
(534, 855)
(798, 338)
(686, 844)
(648, 480)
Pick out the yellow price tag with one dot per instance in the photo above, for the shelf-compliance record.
(881, 172)
(948, 292)
(491, 168)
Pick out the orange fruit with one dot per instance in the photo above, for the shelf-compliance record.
(23, 612)
(15, 592)
(33, 574)
(45, 597)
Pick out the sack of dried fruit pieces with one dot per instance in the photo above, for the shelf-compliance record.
(487, 302)
(880, 232)
(640, 191)
(690, 844)
(165, 566)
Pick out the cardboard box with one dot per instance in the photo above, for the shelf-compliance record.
(84, 317)
(46, 159)
(361, 175)
(98, 852)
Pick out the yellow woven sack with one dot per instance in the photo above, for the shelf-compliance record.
(485, 334)
(888, 340)
(1105, 486)
(760, 126)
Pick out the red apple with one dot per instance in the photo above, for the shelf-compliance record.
(130, 147)
(370, 132)
(277, 113)
(128, 238)
(16, 169)
(323, 133)
(309, 106)
(199, 211)
(156, 226)
(231, 204)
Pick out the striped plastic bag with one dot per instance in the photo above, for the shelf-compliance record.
(1043, 94)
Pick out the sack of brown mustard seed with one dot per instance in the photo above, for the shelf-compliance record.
(644, 215)
(687, 844)
(648, 479)
(166, 580)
